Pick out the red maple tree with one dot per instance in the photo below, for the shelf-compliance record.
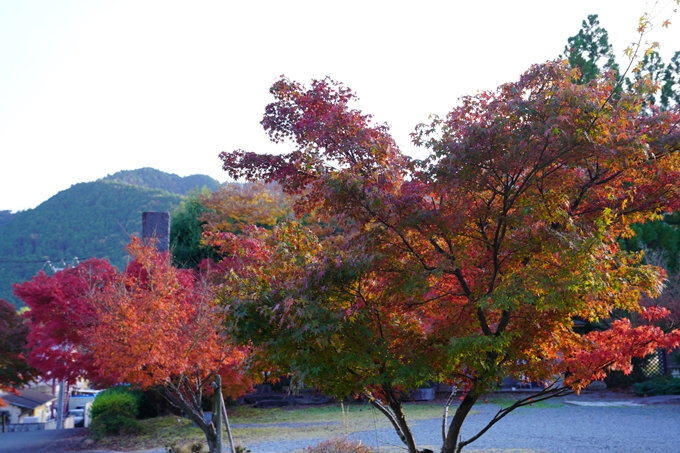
(152, 325)
(158, 326)
(468, 266)
(60, 314)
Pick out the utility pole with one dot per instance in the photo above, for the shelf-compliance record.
(62, 384)
(60, 406)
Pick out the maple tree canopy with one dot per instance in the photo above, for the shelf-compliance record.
(155, 322)
(152, 325)
(60, 315)
(465, 267)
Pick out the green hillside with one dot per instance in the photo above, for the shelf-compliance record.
(156, 179)
(93, 219)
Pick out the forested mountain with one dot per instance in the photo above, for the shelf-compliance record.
(92, 219)
(156, 179)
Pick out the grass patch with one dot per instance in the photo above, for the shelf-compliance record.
(326, 413)
(506, 400)
(156, 433)
(250, 425)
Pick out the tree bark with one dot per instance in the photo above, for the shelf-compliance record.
(453, 435)
(395, 404)
(405, 435)
(195, 414)
(445, 420)
(212, 446)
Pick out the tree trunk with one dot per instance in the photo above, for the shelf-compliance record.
(212, 445)
(397, 408)
(194, 412)
(453, 435)
(394, 413)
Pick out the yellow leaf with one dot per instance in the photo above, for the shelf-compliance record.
(666, 23)
(643, 24)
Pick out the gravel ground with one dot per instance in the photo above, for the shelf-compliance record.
(615, 426)
(594, 423)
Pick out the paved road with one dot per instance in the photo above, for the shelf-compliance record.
(50, 441)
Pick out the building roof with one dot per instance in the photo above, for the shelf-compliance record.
(29, 399)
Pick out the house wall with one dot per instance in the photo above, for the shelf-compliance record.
(26, 427)
(14, 413)
(69, 422)
(42, 413)
(88, 414)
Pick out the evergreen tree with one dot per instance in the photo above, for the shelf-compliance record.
(590, 50)
(186, 231)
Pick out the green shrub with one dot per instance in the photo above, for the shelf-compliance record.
(618, 379)
(152, 404)
(149, 402)
(114, 411)
(664, 385)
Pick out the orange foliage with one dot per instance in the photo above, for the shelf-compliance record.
(157, 323)
(234, 206)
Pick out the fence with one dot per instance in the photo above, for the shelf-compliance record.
(26, 427)
(654, 365)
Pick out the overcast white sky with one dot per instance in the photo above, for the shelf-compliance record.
(88, 87)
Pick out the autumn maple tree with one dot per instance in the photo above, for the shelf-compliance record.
(234, 206)
(468, 266)
(15, 372)
(60, 315)
(158, 326)
(152, 325)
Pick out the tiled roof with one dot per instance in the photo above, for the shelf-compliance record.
(30, 399)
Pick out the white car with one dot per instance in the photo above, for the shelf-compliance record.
(79, 417)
